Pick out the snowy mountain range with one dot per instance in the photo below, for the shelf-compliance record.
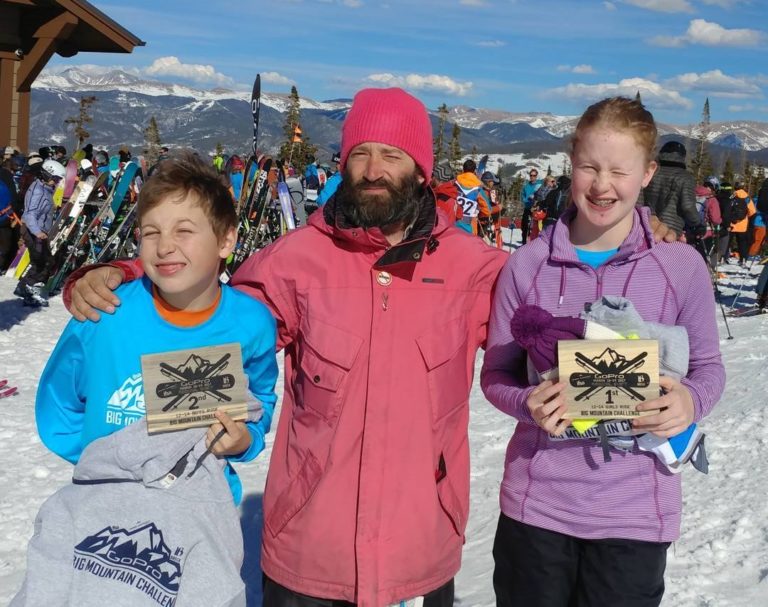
(201, 118)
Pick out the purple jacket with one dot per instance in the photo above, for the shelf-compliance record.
(566, 486)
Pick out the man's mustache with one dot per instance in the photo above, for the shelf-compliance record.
(378, 183)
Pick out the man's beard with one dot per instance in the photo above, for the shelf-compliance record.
(398, 206)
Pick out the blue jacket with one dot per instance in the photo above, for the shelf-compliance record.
(529, 189)
(5, 205)
(92, 385)
(38, 208)
(333, 183)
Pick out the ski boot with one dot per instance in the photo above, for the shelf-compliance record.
(20, 290)
(34, 297)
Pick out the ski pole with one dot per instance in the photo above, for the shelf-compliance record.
(718, 295)
(741, 286)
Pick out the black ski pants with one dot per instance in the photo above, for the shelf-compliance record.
(725, 246)
(40, 259)
(535, 567)
(743, 241)
(525, 224)
(276, 595)
(9, 244)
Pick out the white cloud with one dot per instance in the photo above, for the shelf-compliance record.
(715, 83)
(707, 33)
(418, 82)
(748, 108)
(352, 3)
(577, 69)
(492, 43)
(609, 6)
(653, 94)
(723, 3)
(473, 2)
(275, 78)
(171, 66)
(663, 6)
(667, 41)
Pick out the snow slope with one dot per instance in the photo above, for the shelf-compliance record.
(721, 559)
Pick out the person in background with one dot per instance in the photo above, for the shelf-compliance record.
(527, 198)
(670, 195)
(742, 210)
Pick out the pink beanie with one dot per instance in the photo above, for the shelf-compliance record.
(392, 117)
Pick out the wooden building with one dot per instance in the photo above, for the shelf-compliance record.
(31, 31)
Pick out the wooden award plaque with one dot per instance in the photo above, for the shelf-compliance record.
(608, 378)
(183, 388)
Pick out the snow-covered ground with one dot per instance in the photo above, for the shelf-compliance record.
(721, 559)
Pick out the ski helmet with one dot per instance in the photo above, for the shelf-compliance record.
(713, 182)
(52, 170)
(488, 176)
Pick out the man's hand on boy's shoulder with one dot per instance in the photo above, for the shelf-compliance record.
(92, 293)
(235, 440)
(661, 231)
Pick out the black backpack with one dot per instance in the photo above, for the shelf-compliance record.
(738, 208)
(724, 200)
(762, 198)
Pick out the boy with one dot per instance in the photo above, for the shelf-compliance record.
(92, 385)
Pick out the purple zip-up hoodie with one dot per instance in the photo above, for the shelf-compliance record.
(566, 486)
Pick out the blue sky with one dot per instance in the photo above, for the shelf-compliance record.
(515, 55)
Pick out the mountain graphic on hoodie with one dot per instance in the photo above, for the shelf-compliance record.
(143, 549)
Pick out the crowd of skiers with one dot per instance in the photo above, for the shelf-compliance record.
(28, 209)
(723, 221)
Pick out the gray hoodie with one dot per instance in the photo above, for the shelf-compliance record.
(140, 525)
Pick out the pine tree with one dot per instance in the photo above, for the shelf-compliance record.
(701, 161)
(728, 170)
(152, 142)
(83, 118)
(296, 149)
(743, 164)
(637, 97)
(759, 177)
(514, 204)
(439, 152)
(748, 176)
(473, 153)
(454, 148)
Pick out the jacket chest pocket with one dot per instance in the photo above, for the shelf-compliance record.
(327, 355)
(444, 351)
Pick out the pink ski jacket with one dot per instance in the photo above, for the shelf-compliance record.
(368, 486)
(566, 486)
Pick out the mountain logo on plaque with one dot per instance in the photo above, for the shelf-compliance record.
(608, 378)
(183, 388)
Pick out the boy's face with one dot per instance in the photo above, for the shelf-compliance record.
(180, 252)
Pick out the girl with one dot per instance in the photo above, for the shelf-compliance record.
(576, 530)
